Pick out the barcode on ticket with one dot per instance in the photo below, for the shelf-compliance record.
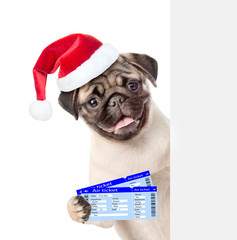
(148, 181)
(153, 204)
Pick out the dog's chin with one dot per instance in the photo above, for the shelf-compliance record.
(125, 129)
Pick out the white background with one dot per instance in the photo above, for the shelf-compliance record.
(43, 163)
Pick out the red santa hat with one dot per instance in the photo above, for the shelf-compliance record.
(80, 57)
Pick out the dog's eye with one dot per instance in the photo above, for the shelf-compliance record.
(133, 86)
(93, 102)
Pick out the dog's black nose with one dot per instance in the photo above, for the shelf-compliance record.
(116, 100)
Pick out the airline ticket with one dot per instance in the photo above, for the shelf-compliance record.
(123, 203)
(135, 180)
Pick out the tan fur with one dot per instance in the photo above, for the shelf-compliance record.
(148, 150)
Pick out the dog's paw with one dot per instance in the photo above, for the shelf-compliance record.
(79, 209)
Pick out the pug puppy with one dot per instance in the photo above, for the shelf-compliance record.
(129, 134)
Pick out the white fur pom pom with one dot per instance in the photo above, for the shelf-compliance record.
(41, 110)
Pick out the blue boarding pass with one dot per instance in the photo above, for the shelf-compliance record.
(135, 180)
(122, 203)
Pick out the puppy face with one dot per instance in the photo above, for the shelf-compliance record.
(116, 103)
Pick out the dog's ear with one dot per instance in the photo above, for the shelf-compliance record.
(144, 63)
(68, 101)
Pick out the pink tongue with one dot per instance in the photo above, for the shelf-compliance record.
(122, 123)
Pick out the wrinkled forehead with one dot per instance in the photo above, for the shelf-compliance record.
(114, 77)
